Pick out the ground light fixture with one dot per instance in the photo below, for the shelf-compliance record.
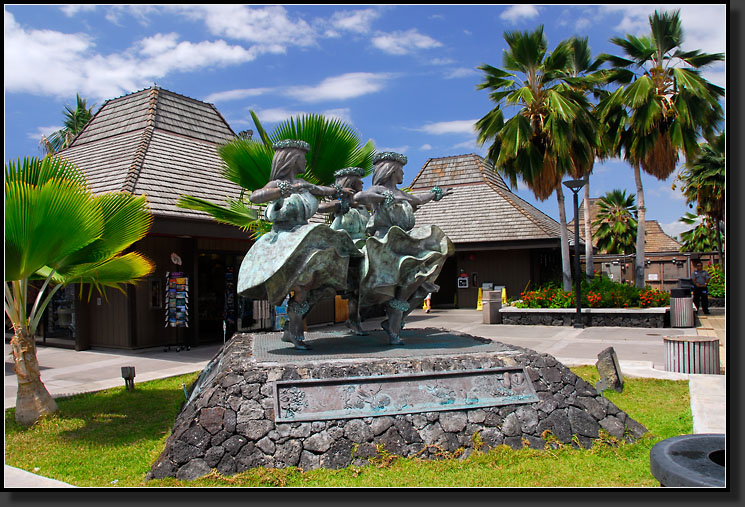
(128, 374)
(575, 186)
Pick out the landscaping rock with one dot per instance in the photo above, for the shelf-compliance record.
(229, 423)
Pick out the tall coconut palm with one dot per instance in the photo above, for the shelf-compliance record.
(583, 67)
(58, 232)
(333, 144)
(551, 135)
(703, 184)
(616, 222)
(75, 120)
(660, 108)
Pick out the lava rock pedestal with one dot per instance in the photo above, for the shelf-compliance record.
(350, 399)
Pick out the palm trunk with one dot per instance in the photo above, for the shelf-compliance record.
(640, 230)
(589, 263)
(566, 270)
(33, 400)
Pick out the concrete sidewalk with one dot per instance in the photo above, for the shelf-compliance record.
(640, 352)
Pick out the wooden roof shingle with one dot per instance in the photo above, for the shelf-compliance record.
(481, 207)
(155, 143)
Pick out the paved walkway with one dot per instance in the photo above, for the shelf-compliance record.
(640, 352)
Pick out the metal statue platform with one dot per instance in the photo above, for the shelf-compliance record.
(332, 345)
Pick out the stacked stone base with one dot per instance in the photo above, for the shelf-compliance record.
(229, 423)
(538, 318)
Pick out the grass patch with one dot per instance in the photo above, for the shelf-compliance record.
(111, 438)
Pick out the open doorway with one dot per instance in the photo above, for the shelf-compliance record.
(445, 297)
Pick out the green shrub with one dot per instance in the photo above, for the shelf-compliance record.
(716, 282)
(600, 292)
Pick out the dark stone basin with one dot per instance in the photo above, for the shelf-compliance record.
(689, 460)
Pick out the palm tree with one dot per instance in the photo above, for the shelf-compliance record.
(703, 237)
(58, 233)
(551, 135)
(75, 120)
(660, 108)
(616, 222)
(581, 66)
(703, 183)
(333, 145)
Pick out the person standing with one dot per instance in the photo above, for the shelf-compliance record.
(428, 302)
(700, 287)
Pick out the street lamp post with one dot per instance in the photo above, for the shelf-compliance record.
(575, 186)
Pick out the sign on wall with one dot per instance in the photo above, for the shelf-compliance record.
(463, 280)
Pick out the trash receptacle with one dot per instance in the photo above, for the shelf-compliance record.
(491, 303)
(686, 283)
(681, 308)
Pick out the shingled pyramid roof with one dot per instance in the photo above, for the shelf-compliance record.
(656, 239)
(158, 143)
(481, 208)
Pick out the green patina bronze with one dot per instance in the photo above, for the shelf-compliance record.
(372, 253)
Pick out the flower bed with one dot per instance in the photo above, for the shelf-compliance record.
(600, 293)
(609, 317)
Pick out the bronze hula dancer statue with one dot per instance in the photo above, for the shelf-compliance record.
(308, 261)
(401, 261)
(351, 217)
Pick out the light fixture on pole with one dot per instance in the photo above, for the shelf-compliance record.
(575, 186)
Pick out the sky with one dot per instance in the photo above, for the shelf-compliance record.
(404, 76)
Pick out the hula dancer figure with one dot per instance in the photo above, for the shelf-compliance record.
(401, 261)
(351, 217)
(309, 261)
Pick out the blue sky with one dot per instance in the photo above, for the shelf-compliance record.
(403, 76)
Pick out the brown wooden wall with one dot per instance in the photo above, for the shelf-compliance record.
(151, 330)
(323, 312)
(104, 321)
(511, 268)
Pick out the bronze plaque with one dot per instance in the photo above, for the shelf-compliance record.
(345, 398)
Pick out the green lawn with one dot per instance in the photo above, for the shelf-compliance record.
(111, 438)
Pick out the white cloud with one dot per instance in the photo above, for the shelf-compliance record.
(35, 63)
(276, 115)
(342, 113)
(703, 25)
(396, 149)
(43, 131)
(402, 43)
(171, 55)
(229, 95)
(141, 13)
(358, 21)
(425, 147)
(345, 86)
(441, 61)
(674, 229)
(471, 146)
(72, 10)
(449, 127)
(461, 72)
(519, 12)
(270, 27)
